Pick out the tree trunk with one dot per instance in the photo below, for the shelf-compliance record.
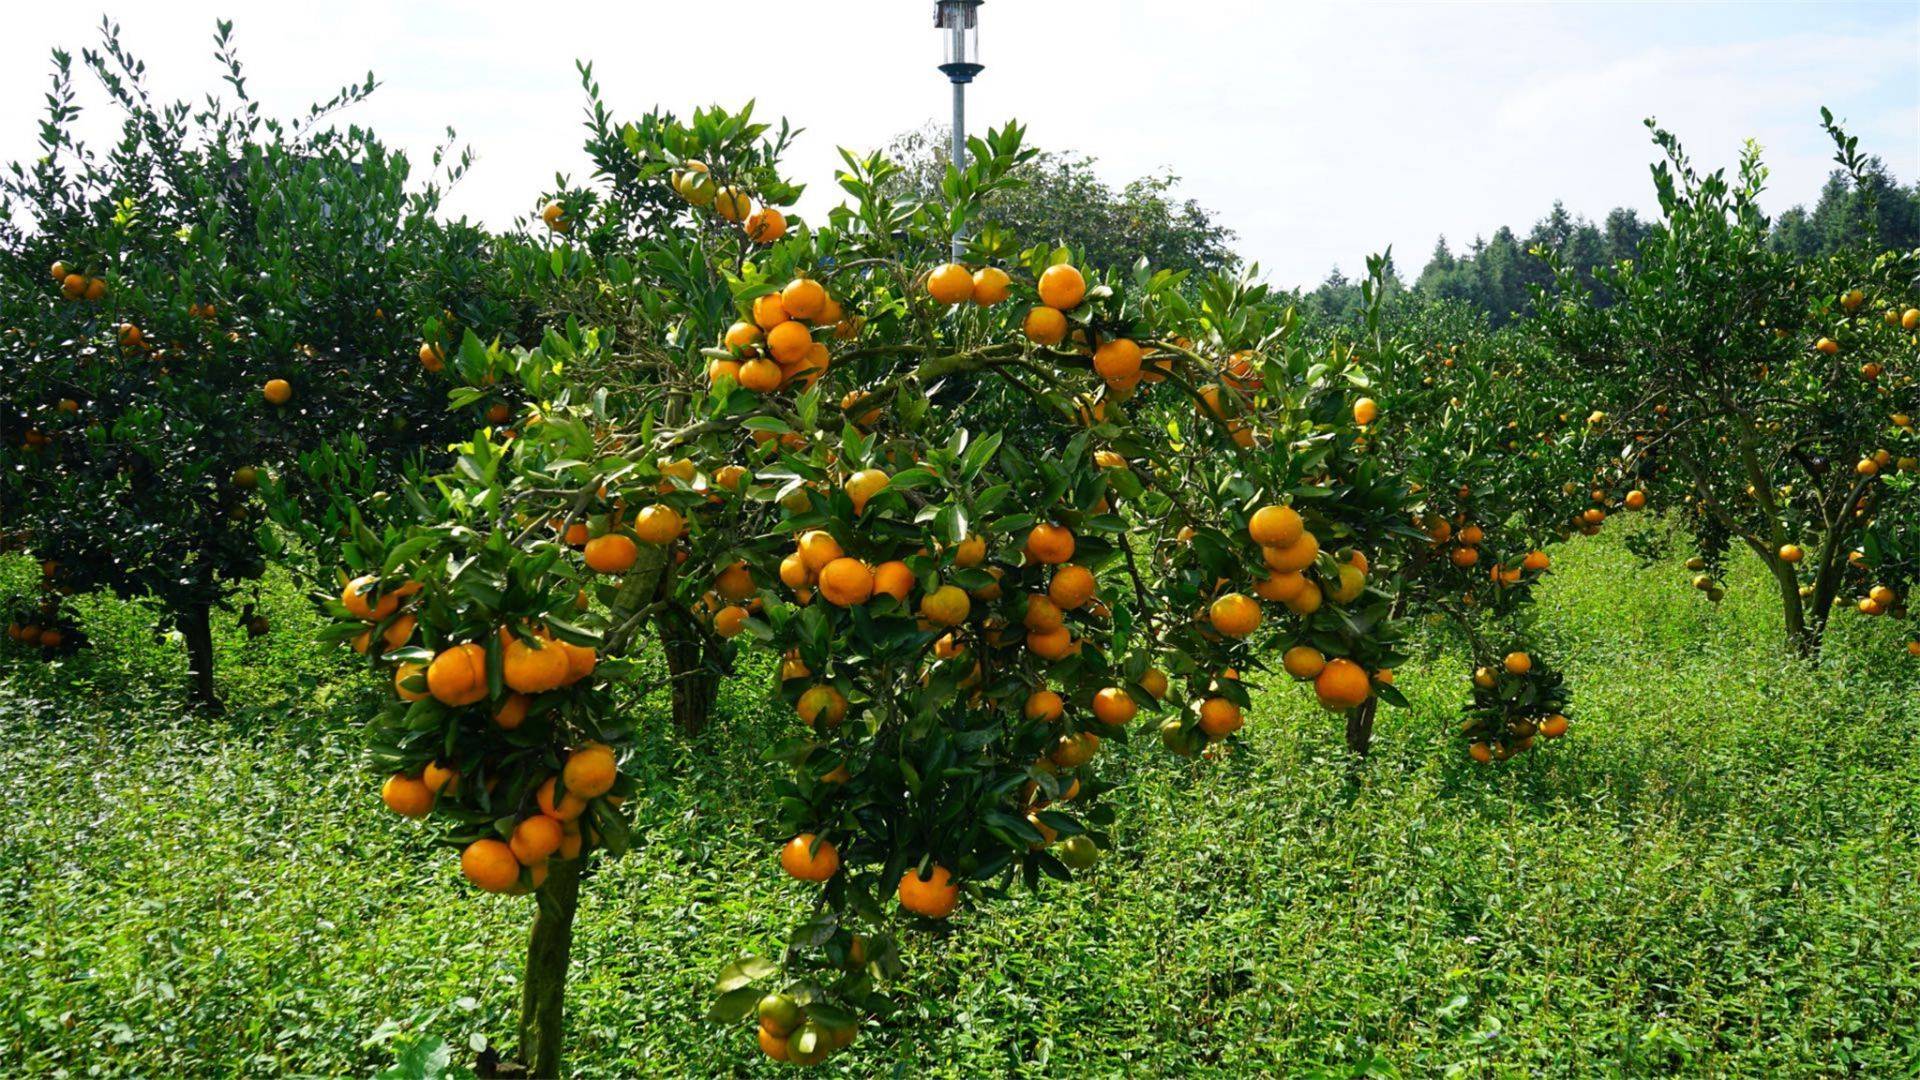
(543, 994)
(1804, 642)
(196, 626)
(693, 681)
(1360, 726)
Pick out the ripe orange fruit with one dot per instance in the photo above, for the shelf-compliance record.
(761, 376)
(735, 582)
(96, 288)
(822, 705)
(490, 864)
(970, 552)
(1471, 536)
(1051, 644)
(658, 524)
(947, 605)
(846, 582)
(1352, 583)
(862, 486)
(789, 342)
(950, 284)
(458, 675)
(1365, 411)
(590, 771)
(534, 839)
(1553, 726)
(1480, 752)
(1220, 718)
(611, 554)
(1280, 588)
(892, 578)
(1062, 287)
(933, 896)
(403, 675)
(407, 796)
(1073, 751)
(1045, 326)
(1635, 500)
(570, 806)
(277, 391)
(1117, 359)
(1306, 601)
(355, 599)
(440, 778)
(1342, 685)
(532, 667)
(1295, 557)
(742, 334)
(801, 859)
(804, 298)
(1235, 615)
(766, 225)
(1465, 556)
(731, 203)
(1536, 560)
(581, 661)
(1154, 682)
(990, 285)
(1303, 662)
(730, 620)
(1042, 615)
(1072, 587)
(818, 548)
(1050, 544)
(1518, 663)
(1113, 706)
(1791, 553)
(1275, 526)
(769, 311)
(512, 712)
(1044, 706)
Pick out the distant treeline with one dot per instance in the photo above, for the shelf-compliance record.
(1497, 274)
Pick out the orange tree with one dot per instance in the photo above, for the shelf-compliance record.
(650, 253)
(963, 626)
(960, 626)
(1481, 426)
(1772, 394)
(210, 297)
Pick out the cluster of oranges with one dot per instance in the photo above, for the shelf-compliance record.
(457, 677)
(44, 627)
(791, 1032)
(1507, 719)
(1022, 599)
(40, 631)
(77, 286)
(1290, 551)
(775, 347)
(693, 181)
(1881, 600)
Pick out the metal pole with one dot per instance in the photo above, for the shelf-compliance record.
(959, 151)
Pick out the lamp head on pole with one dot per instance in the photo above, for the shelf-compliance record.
(959, 25)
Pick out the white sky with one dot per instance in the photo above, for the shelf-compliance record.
(1318, 132)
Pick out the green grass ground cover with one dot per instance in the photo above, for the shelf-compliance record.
(1714, 873)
